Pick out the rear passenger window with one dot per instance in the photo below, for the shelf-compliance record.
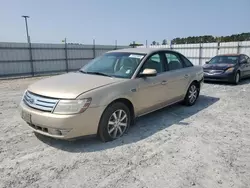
(173, 62)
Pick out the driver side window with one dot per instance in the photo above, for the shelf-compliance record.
(247, 59)
(242, 58)
(154, 62)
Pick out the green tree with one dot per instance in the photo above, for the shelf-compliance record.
(164, 42)
(153, 43)
(210, 38)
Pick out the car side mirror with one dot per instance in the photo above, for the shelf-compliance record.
(207, 62)
(148, 73)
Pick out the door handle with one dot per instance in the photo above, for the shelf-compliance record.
(164, 82)
(186, 76)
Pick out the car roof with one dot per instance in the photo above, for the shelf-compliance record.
(229, 54)
(141, 50)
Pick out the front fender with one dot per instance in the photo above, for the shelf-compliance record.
(106, 95)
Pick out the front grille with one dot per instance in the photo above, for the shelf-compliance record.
(39, 102)
(214, 71)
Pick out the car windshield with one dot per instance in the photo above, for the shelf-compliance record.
(116, 64)
(224, 60)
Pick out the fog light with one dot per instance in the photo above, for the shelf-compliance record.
(54, 131)
(58, 131)
(64, 131)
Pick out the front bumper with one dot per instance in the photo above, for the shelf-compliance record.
(201, 82)
(62, 126)
(224, 77)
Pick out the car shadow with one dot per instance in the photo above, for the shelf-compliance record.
(144, 127)
(242, 82)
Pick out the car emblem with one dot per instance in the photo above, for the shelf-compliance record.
(31, 100)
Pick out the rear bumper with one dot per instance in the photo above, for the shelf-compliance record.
(220, 77)
(62, 126)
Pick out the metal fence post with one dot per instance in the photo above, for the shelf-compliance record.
(66, 55)
(218, 48)
(171, 47)
(29, 47)
(31, 59)
(93, 48)
(200, 54)
(238, 48)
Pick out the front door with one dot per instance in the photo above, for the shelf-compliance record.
(247, 66)
(151, 90)
(243, 66)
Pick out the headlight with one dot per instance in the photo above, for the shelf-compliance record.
(229, 70)
(72, 106)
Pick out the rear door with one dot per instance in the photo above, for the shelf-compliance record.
(177, 76)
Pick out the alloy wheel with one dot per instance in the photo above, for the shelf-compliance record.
(118, 123)
(192, 94)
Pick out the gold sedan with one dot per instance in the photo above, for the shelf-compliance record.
(107, 94)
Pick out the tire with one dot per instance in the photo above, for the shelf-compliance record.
(192, 94)
(236, 78)
(114, 122)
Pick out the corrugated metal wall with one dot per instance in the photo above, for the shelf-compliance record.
(15, 59)
(200, 53)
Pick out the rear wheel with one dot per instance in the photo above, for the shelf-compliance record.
(192, 94)
(114, 122)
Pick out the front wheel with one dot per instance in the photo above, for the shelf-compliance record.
(114, 122)
(237, 78)
(191, 95)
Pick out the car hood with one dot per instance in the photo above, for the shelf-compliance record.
(70, 85)
(217, 66)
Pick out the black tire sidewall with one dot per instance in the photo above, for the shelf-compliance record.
(103, 124)
(235, 82)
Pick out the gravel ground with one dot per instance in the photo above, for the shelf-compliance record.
(207, 145)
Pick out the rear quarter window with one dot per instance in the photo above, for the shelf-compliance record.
(186, 62)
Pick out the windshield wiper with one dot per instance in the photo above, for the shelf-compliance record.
(99, 73)
(83, 71)
(96, 73)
